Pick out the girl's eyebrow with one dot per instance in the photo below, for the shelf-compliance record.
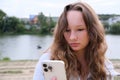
(80, 25)
(77, 26)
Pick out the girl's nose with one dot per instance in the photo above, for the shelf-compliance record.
(73, 36)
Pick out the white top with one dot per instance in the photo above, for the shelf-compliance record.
(38, 74)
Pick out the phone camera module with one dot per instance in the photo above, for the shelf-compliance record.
(46, 70)
(44, 65)
(50, 68)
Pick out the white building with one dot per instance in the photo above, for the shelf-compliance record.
(114, 19)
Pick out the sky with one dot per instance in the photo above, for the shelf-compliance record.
(25, 8)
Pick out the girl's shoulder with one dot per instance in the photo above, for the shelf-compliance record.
(45, 56)
(110, 68)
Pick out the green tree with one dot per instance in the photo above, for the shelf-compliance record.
(51, 24)
(20, 28)
(10, 24)
(42, 19)
(2, 15)
(13, 23)
(106, 16)
(43, 23)
(46, 24)
(106, 25)
(16, 25)
(115, 28)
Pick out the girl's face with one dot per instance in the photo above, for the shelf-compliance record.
(76, 33)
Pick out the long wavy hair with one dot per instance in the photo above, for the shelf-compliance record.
(95, 50)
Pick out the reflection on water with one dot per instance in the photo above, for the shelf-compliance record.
(31, 46)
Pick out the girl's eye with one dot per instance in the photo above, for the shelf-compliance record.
(80, 29)
(67, 30)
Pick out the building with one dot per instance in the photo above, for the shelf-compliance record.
(114, 20)
(33, 19)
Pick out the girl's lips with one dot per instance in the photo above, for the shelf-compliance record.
(74, 44)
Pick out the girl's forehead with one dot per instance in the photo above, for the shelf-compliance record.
(75, 18)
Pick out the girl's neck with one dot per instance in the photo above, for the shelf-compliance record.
(82, 61)
(80, 57)
(84, 66)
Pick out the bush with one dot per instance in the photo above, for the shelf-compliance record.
(6, 59)
(115, 28)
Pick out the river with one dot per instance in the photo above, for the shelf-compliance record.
(25, 47)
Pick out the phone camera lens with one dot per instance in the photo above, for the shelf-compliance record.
(50, 68)
(46, 70)
(44, 65)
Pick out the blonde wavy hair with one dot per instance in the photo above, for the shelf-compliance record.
(95, 50)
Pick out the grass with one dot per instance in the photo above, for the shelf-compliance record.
(115, 59)
(10, 72)
(117, 78)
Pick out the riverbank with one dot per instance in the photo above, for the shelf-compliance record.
(17, 70)
(24, 70)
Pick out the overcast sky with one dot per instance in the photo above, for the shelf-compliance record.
(24, 8)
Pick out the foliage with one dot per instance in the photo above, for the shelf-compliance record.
(12, 24)
(15, 25)
(46, 24)
(42, 19)
(2, 14)
(106, 25)
(44, 30)
(32, 28)
(51, 23)
(115, 28)
(106, 16)
(20, 28)
(6, 59)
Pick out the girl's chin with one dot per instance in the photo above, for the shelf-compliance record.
(75, 49)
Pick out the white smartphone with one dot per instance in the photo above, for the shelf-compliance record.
(54, 68)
